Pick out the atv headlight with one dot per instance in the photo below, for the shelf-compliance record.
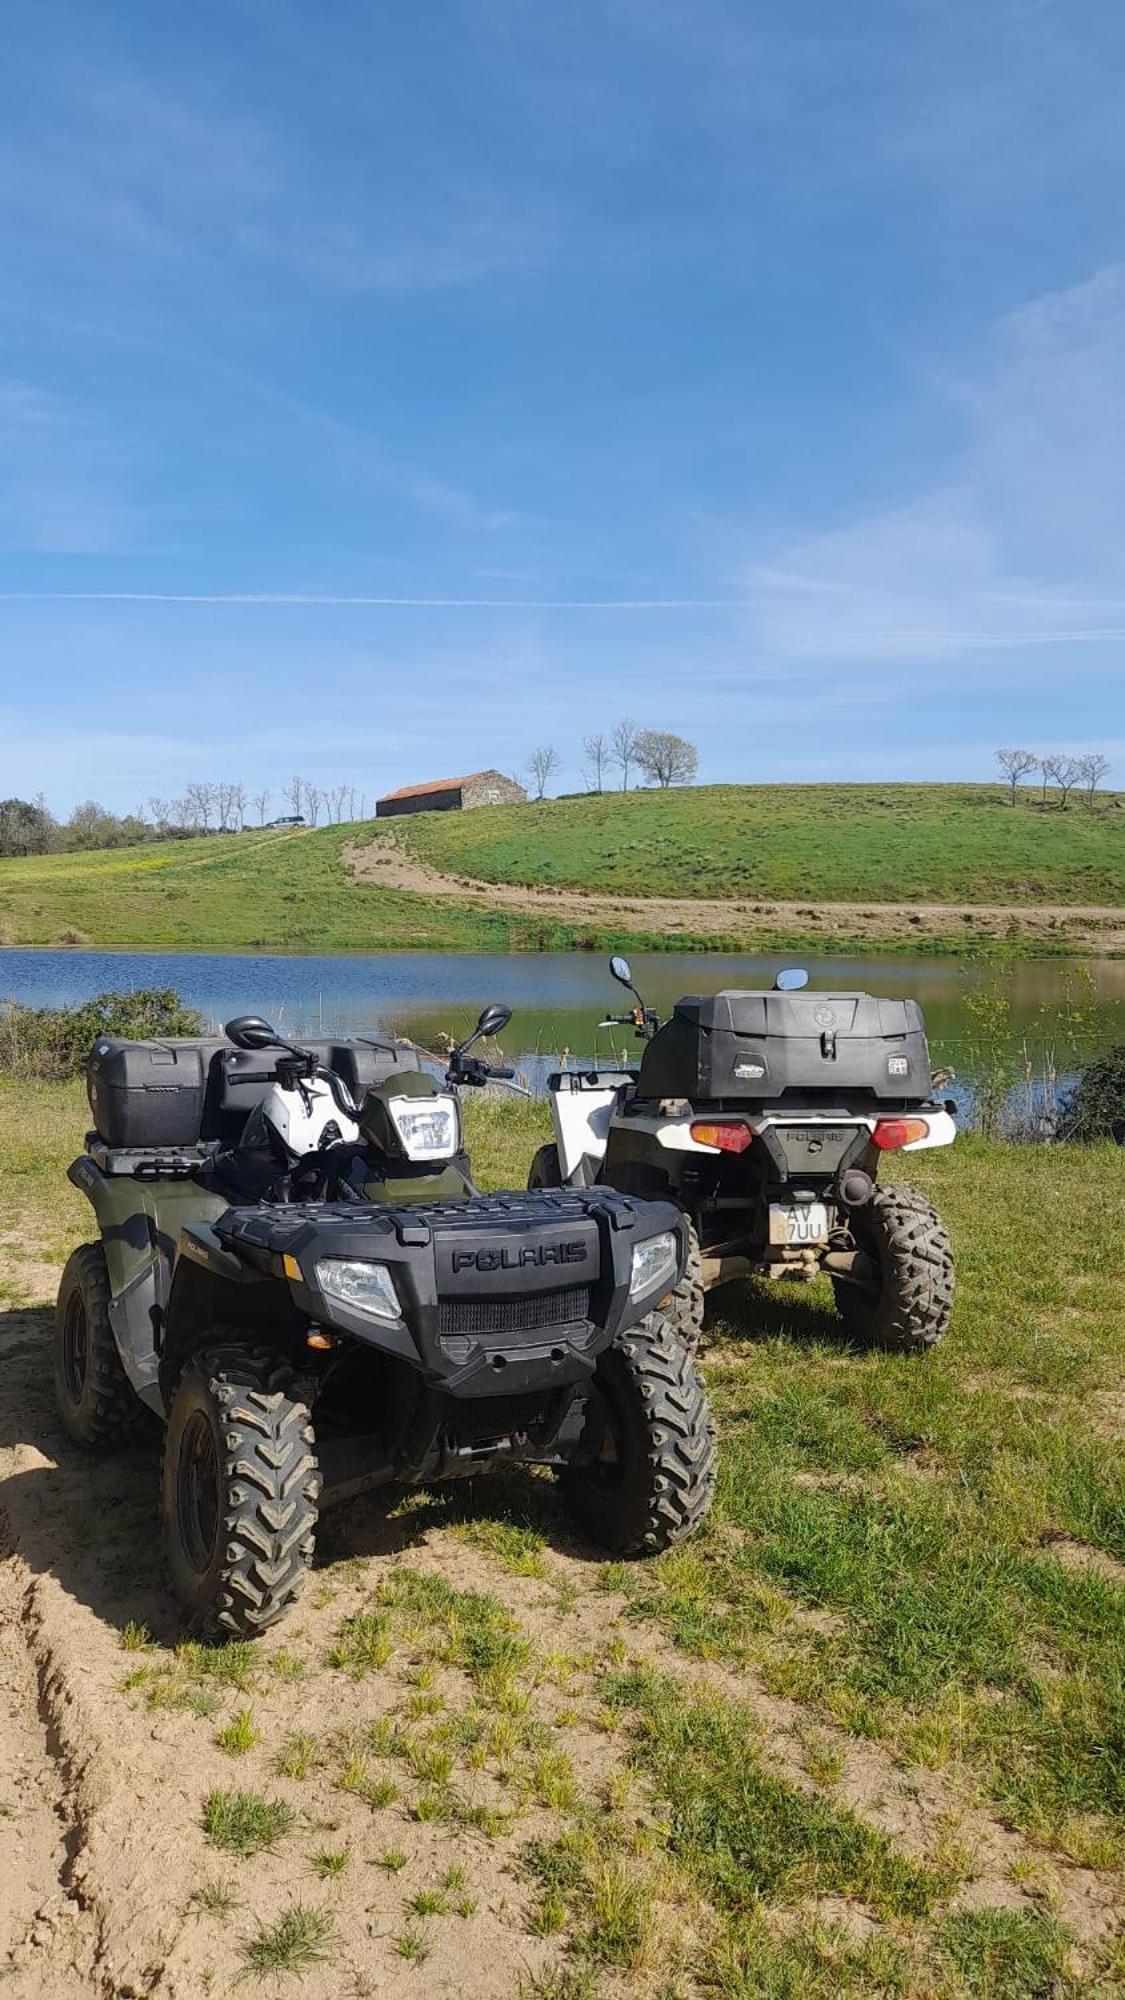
(427, 1126)
(655, 1264)
(366, 1288)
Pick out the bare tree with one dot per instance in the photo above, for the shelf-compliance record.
(542, 764)
(597, 750)
(1095, 767)
(160, 813)
(665, 758)
(624, 750)
(261, 803)
(199, 804)
(293, 794)
(1015, 765)
(314, 799)
(336, 800)
(1065, 771)
(351, 801)
(238, 801)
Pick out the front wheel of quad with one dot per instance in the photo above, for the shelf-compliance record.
(906, 1305)
(545, 1171)
(94, 1396)
(240, 1490)
(650, 1475)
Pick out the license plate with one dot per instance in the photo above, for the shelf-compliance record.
(798, 1223)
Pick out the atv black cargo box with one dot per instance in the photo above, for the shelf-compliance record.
(735, 1046)
(191, 1088)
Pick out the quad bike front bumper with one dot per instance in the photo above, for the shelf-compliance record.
(498, 1295)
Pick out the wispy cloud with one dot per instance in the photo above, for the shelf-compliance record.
(1023, 546)
(61, 478)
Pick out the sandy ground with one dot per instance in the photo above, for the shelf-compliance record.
(1099, 931)
(101, 1844)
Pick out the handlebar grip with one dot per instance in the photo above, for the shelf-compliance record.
(503, 1070)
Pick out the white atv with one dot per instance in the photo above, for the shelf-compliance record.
(765, 1115)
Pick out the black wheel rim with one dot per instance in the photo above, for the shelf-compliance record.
(76, 1347)
(197, 1491)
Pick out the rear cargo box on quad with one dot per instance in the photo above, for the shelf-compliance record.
(189, 1089)
(765, 1045)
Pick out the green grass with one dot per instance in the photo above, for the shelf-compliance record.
(297, 1940)
(243, 1822)
(836, 843)
(292, 891)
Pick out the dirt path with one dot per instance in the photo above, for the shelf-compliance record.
(108, 1748)
(1098, 930)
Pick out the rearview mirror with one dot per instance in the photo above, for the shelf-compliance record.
(791, 980)
(494, 1018)
(620, 969)
(249, 1031)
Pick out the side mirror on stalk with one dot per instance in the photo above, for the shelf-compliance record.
(493, 1020)
(791, 980)
(249, 1031)
(620, 969)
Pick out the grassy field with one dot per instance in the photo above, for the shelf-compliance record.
(831, 843)
(293, 892)
(864, 1735)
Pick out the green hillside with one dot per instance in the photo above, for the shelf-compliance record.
(831, 843)
(293, 891)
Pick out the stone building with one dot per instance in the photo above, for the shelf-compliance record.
(480, 788)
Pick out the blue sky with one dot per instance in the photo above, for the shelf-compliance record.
(385, 389)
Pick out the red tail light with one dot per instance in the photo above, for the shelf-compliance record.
(732, 1138)
(891, 1133)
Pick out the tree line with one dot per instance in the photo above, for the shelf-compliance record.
(28, 826)
(1056, 768)
(658, 754)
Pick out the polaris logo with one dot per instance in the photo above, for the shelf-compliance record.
(529, 1255)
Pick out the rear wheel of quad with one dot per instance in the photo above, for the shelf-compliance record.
(653, 1478)
(240, 1490)
(907, 1304)
(95, 1399)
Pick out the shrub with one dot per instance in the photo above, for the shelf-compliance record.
(52, 1042)
(1097, 1108)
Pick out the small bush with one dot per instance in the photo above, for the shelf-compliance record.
(1097, 1108)
(52, 1043)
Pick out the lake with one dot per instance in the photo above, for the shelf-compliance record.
(558, 998)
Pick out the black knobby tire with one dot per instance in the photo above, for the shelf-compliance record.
(545, 1171)
(908, 1307)
(654, 1478)
(240, 1489)
(686, 1308)
(95, 1399)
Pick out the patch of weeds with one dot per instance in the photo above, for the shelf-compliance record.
(422, 1704)
(353, 1775)
(812, 1961)
(364, 1644)
(454, 1878)
(567, 1982)
(552, 1781)
(135, 1638)
(243, 1822)
(381, 1792)
(465, 1906)
(286, 1666)
(428, 1903)
(239, 1734)
(520, 1549)
(382, 1738)
(328, 1862)
(431, 1763)
(299, 1756)
(744, 1833)
(392, 1859)
(488, 1820)
(430, 1807)
(233, 1664)
(299, 1938)
(216, 1899)
(1005, 1954)
(412, 1946)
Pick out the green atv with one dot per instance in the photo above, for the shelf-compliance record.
(297, 1276)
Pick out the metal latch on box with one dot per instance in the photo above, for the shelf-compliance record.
(828, 1044)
